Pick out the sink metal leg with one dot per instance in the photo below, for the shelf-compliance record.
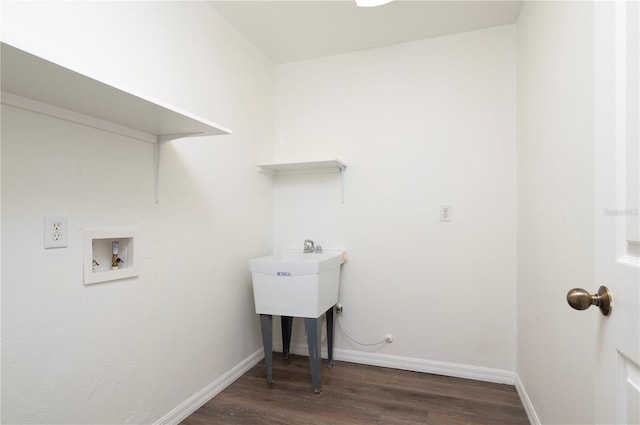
(267, 343)
(286, 323)
(330, 333)
(312, 327)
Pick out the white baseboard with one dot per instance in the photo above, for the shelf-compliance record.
(197, 400)
(500, 376)
(477, 373)
(526, 402)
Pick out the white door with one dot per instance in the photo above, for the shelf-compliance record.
(617, 188)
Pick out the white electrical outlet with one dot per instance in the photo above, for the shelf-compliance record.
(55, 231)
(446, 212)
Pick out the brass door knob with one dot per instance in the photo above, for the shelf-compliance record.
(580, 299)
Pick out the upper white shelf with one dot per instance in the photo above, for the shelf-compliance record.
(300, 167)
(306, 167)
(36, 84)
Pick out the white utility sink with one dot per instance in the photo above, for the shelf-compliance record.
(293, 283)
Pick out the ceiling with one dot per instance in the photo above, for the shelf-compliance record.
(288, 31)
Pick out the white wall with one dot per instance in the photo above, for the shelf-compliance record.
(556, 345)
(418, 124)
(132, 350)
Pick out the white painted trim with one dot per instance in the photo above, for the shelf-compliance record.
(427, 366)
(500, 376)
(526, 402)
(456, 370)
(197, 400)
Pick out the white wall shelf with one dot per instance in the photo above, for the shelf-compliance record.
(39, 85)
(98, 254)
(306, 167)
(300, 167)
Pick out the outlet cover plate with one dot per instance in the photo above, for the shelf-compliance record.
(446, 212)
(55, 231)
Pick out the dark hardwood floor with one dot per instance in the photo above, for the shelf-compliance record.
(358, 394)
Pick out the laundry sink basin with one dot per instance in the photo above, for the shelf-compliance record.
(293, 283)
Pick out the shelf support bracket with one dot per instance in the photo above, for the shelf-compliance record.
(158, 147)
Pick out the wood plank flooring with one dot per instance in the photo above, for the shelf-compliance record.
(358, 394)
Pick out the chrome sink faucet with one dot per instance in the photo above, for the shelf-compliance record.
(308, 246)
